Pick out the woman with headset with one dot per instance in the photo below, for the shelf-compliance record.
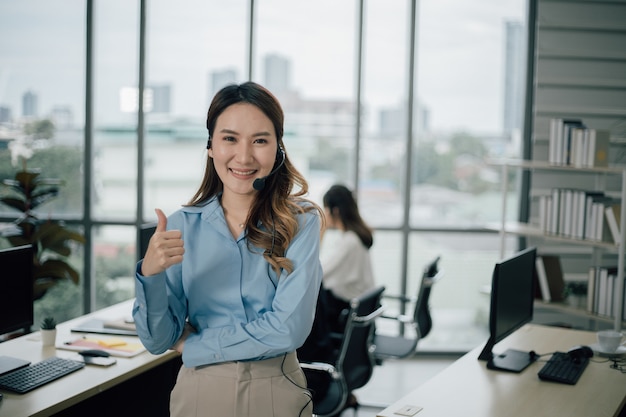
(231, 279)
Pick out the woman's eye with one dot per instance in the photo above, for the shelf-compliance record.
(260, 140)
(229, 138)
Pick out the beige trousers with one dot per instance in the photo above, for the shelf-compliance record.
(269, 388)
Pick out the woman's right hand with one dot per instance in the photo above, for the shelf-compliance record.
(165, 248)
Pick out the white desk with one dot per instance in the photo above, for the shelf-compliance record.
(81, 385)
(468, 388)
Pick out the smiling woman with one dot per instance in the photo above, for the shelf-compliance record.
(241, 299)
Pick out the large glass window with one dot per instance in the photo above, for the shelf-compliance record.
(185, 68)
(342, 71)
(307, 60)
(42, 92)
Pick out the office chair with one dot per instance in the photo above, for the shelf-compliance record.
(355, 363)
(402, 346)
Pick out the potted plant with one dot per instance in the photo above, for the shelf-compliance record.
(48, 331)
(51, 240)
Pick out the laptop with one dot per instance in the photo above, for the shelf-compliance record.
(101, 326)
(10, 364)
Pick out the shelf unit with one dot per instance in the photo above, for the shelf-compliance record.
(525, 229)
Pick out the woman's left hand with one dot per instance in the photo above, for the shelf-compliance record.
(178, 346)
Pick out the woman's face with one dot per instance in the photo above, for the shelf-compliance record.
(243, 147)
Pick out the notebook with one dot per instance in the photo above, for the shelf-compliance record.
(113, 345)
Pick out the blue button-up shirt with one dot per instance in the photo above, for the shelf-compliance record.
(229, 292)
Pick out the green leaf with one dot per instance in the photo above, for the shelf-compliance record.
(56, 269)
(18, 204)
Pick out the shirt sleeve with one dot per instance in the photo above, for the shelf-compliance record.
(159, 314)
(281, 329)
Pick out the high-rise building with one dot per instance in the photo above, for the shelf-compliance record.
(5, 114)
(514, 74)
(161, 98)
(220, 79)
(277, 74)
(29, 104)
(62, 117)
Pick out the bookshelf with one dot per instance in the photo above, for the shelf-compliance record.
(529, 229)
(576, 70)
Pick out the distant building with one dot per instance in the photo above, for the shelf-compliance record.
(156, 99)
(220, 79)
(62, 117)
(29, 104)
(5, 114)
(161, 98)
(514, 73)
(277, 72)
(392, 121)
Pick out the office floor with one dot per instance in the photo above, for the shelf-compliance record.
(394, 379)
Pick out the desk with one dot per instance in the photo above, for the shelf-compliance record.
(145, 379)
(468, 388)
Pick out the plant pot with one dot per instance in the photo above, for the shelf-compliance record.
(48, 337)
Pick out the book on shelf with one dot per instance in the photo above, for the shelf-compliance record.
(542, 287)
(612, 213)
(602, 295)
(591, 289)
(598, 153)
(571, 142)
(550, 277)
(560, 140)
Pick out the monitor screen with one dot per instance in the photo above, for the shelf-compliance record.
(512, 298)
(146, 231)
(16, 289)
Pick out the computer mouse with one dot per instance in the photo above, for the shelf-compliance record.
(95, 352)
(579, 352)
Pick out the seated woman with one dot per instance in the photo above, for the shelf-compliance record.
(344, 254)
(347, 273)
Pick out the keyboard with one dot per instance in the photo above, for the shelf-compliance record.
(561, 368)
(37, 374)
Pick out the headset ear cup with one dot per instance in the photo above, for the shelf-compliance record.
(280, 154)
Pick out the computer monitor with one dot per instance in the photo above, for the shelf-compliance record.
(146, 231)
(512, 298)
(16, 289)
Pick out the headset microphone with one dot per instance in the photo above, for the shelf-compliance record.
(259, 183)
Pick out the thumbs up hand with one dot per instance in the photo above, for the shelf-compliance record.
(165, 248)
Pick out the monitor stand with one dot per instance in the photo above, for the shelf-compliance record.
(511, 360)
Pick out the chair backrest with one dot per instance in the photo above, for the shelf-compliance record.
(421, 314)
(356, 361)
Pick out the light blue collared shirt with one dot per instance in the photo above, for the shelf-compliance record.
(229, 292)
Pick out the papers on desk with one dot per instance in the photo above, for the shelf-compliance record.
(113, 345)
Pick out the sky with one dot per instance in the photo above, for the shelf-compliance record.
(459, 59)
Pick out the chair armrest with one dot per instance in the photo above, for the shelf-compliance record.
(404, 298)
(402, 318)
(321, 367)
(366, 319)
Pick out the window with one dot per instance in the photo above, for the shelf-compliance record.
(346, 75)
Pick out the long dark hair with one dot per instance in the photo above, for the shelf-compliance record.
(339, 199)
(271, 222)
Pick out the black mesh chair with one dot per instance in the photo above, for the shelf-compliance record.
(355, 363)
(419, 325)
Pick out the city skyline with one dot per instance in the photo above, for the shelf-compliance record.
(447, 89)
